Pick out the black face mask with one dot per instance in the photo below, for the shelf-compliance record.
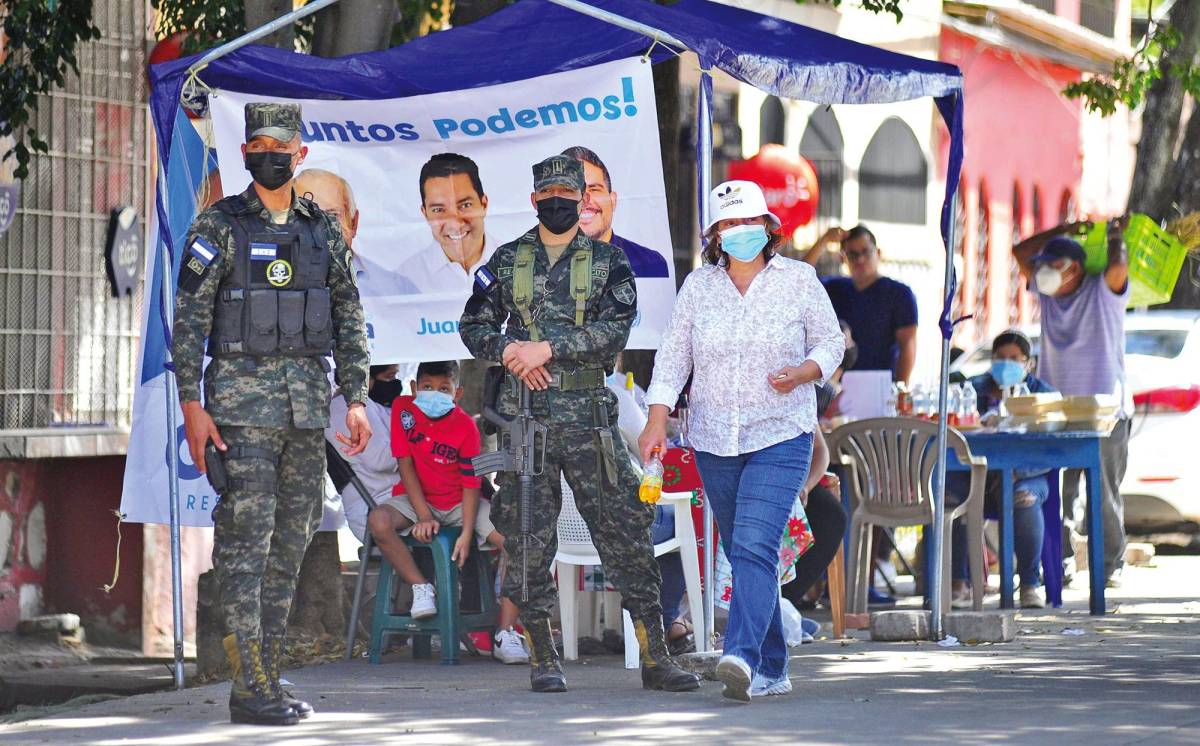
(271, 170)
(558, 214)
(849, 357)
(385, 392)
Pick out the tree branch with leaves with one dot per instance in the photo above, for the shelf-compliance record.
(39, 51)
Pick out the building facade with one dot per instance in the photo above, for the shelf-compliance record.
(68, 346)
(1033, 158)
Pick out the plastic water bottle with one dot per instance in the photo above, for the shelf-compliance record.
(969, 407)
(650, 490)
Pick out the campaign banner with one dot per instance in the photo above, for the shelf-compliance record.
(440, 181)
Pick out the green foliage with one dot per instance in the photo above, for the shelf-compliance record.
(206, 22)
(1132, 76)
(42, 40)
(875, 6)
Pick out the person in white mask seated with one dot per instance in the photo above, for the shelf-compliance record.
(1011, 364)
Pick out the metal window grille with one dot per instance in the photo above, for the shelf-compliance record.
(1046, 5)
(983, 260)
(771, 122)
(68, 349)
(1098, 15)
(823, 146)
(893, 176)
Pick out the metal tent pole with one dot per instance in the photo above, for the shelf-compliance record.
(170, 394)
(936, 546)
(266, 29)
(626, 23)
(703, 187)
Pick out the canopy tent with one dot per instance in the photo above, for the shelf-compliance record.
(539, 37)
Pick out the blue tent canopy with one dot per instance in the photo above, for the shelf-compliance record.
(537, 37)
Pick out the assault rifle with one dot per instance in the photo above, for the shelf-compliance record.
(522, 450)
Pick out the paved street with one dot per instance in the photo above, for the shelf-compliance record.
(1130, 677)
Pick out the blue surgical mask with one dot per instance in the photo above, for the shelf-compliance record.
(1007, 372)
(744, 242)
(434, 404)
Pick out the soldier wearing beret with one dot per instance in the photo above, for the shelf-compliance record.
(266, 278)
(555, 307)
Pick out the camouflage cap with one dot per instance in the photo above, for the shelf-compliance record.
(278, 121)
(558, 169)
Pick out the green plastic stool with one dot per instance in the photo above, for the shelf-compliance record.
(449, 624)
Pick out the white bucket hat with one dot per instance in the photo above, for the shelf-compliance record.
(738, 199)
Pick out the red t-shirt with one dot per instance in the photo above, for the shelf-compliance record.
(441, 450)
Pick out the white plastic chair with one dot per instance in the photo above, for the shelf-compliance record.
(575, 549)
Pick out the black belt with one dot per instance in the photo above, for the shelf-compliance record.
(578, 380)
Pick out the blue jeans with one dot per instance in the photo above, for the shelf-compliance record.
(670, 566)
(1029, 525)
(751, 497)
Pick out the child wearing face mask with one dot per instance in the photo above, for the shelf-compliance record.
(1011, 365)
(434, 440)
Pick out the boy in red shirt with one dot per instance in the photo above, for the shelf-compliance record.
(434, 440)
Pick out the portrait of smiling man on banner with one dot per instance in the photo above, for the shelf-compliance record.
(454, 205)
(599, 206)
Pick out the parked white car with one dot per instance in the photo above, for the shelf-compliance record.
(1162, 364)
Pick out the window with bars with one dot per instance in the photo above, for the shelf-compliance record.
(893, 176)
(68, 349)
(983, 261)
(771, 122)
(823, 146)
(1014, 268)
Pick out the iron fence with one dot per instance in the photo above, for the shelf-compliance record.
(68, 349)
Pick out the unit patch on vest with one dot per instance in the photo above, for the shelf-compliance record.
(279, 273)
(625, 293)
(197, 260)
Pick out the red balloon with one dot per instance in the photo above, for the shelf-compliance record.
(788, 181)
(170, 48)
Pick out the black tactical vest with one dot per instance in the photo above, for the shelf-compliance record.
(274, 301)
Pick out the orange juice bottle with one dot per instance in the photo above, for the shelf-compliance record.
(652, 479)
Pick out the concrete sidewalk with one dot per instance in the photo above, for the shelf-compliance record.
(1131, 676)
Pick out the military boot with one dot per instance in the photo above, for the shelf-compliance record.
(251, 700)
(545, 672)
(658, 670)
(272, 655)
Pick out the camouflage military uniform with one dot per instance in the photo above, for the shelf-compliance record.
(618, 521)
(279, 405)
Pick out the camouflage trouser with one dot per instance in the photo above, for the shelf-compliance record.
(264, 522)
(618, 521)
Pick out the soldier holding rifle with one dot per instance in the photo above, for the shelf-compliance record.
(556, 307)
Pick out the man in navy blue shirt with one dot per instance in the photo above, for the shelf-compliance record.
(881, 312)
(596, 217)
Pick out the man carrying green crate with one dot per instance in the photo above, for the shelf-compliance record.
(1083, 354)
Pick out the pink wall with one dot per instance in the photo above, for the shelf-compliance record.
(1019, 131)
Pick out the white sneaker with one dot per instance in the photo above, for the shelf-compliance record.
(962, 599)
(764, 687)
(1031, 597)
(509, 647)
(736, 675)
(424, 603)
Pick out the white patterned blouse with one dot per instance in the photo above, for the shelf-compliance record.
(732, 343)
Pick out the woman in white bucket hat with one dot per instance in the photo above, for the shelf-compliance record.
(755, 330)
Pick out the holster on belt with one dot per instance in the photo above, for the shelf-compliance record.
(214, 466)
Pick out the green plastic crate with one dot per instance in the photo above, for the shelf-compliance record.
(1155, 259)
